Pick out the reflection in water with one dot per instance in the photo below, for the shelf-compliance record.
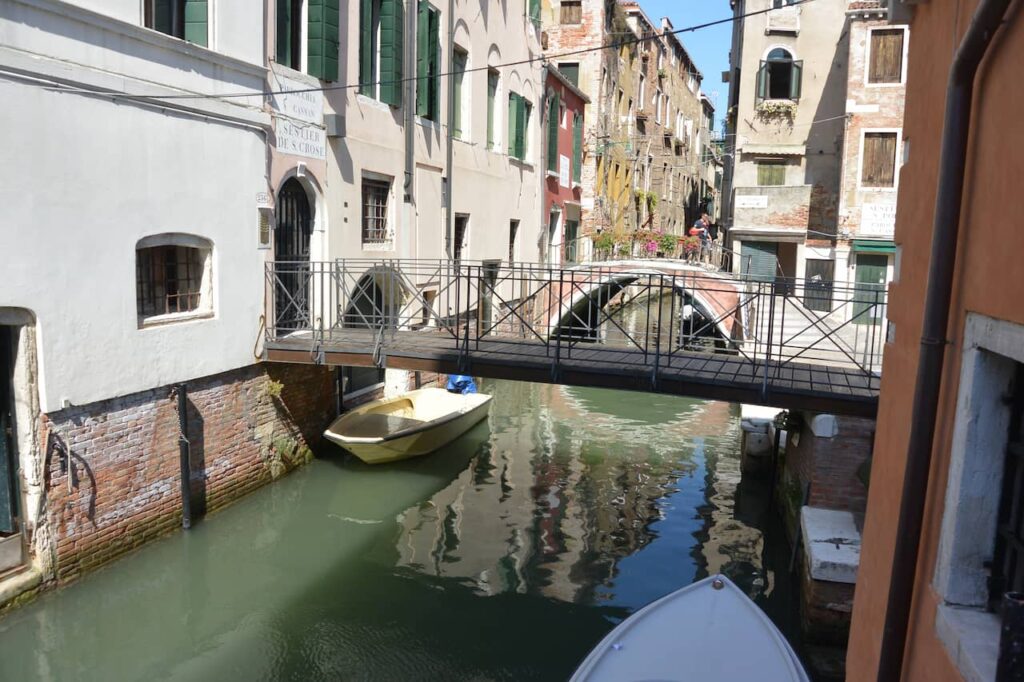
(505, 557)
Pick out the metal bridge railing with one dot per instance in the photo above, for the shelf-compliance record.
(667, 311)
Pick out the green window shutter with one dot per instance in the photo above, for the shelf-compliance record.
(492, 94)
(322, 44)
(577, 148)
(163, 16)
(535, 12)
(284, 32)
(795, 77)
(513, 114)
(196, 22)
(522, 126)
(365, 47)
(434, 86)
(391, 44)
(762, 81)
(459, 70)
(422, 59)
(553, 134)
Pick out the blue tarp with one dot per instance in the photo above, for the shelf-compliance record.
(458, 383)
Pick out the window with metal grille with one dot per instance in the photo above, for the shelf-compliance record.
(771, 172)
(886, 62)
(461, 230)
(878, 165)
(1008, 558)
(375, 211)
(168, 280)
(571, 12)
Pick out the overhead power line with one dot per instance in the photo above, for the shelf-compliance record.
(531, 60)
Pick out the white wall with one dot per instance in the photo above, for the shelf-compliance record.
(86, 177)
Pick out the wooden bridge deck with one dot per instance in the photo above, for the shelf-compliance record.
(713, 376)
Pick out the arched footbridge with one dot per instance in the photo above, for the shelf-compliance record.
(654, 325)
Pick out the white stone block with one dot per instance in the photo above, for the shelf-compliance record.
(831, 544)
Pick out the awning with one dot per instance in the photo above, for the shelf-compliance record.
(774, 149)
(873, 246)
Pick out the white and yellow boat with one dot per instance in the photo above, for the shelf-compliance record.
(410, 425)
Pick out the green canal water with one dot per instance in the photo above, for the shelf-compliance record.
(506, 556)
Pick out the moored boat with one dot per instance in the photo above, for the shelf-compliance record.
(709, 631)
(410, 425)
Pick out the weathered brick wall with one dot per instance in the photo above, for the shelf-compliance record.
(831, 464)
(121, 486)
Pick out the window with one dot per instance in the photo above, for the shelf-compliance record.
(571, 71)
(185, 19)
(657, 106)
(458, 115)
(885, 64)
(771, 172)
(428, 60)
(380, 50)
(289, 33)
(878, 162)
(172, 277)
(779, 4)
(519, 111)
(375, 211)
(571, 12)
(577, 149)
(1008, 556)
(492, 109)
(461, 236)
(553, 124)
(779, 76)
(513, 229)
(643, 90)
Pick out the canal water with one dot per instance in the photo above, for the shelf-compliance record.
(506, 556)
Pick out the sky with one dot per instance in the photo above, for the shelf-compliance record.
(709, 47)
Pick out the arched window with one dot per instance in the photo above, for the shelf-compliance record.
(779, 76)
(173, 278)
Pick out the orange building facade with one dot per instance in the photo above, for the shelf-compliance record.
(954, 627)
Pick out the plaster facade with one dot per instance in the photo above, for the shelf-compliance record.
(985, 283)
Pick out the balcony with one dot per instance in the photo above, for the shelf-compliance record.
(780, 209)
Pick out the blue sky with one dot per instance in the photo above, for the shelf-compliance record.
(709, 47)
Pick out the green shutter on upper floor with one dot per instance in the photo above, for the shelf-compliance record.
(391, 43)
(513, 114)
(577, 149)
(323, 26)
(553, 133)
(492, 95)
(197, 18)
(422, 59)
(434, 85)
(535, 12)
(762, 81)
(365, 48)
(522, 127)
(457, 78)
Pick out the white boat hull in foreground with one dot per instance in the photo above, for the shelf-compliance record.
(410, 425)
(709, 631)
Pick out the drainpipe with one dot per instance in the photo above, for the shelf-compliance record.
(948, 202)
(409, 118)
(449, 214)
(181, 390)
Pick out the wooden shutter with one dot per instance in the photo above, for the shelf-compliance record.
(762, 81)
(392, 30)
(513, 114)
(434, 38)
(492, 96)
(366, 86)
(795, 76)
(886, 65)
(878, 167)
(323, 29)
(284, 32)
(459, 74)
(771, 173)
(553, 123)
(577, 148)
(535, 12)
(422, 59)
(571, 73)
(196, 21)
(522, 127)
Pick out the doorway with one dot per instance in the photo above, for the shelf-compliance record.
(291, 251)
(869, 291)
(10, 536)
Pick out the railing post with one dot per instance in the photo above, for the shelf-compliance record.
(657, 333)
(558, 329)
(771, 338)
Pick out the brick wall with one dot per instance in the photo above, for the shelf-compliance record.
(121, 486)
(831, 464)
